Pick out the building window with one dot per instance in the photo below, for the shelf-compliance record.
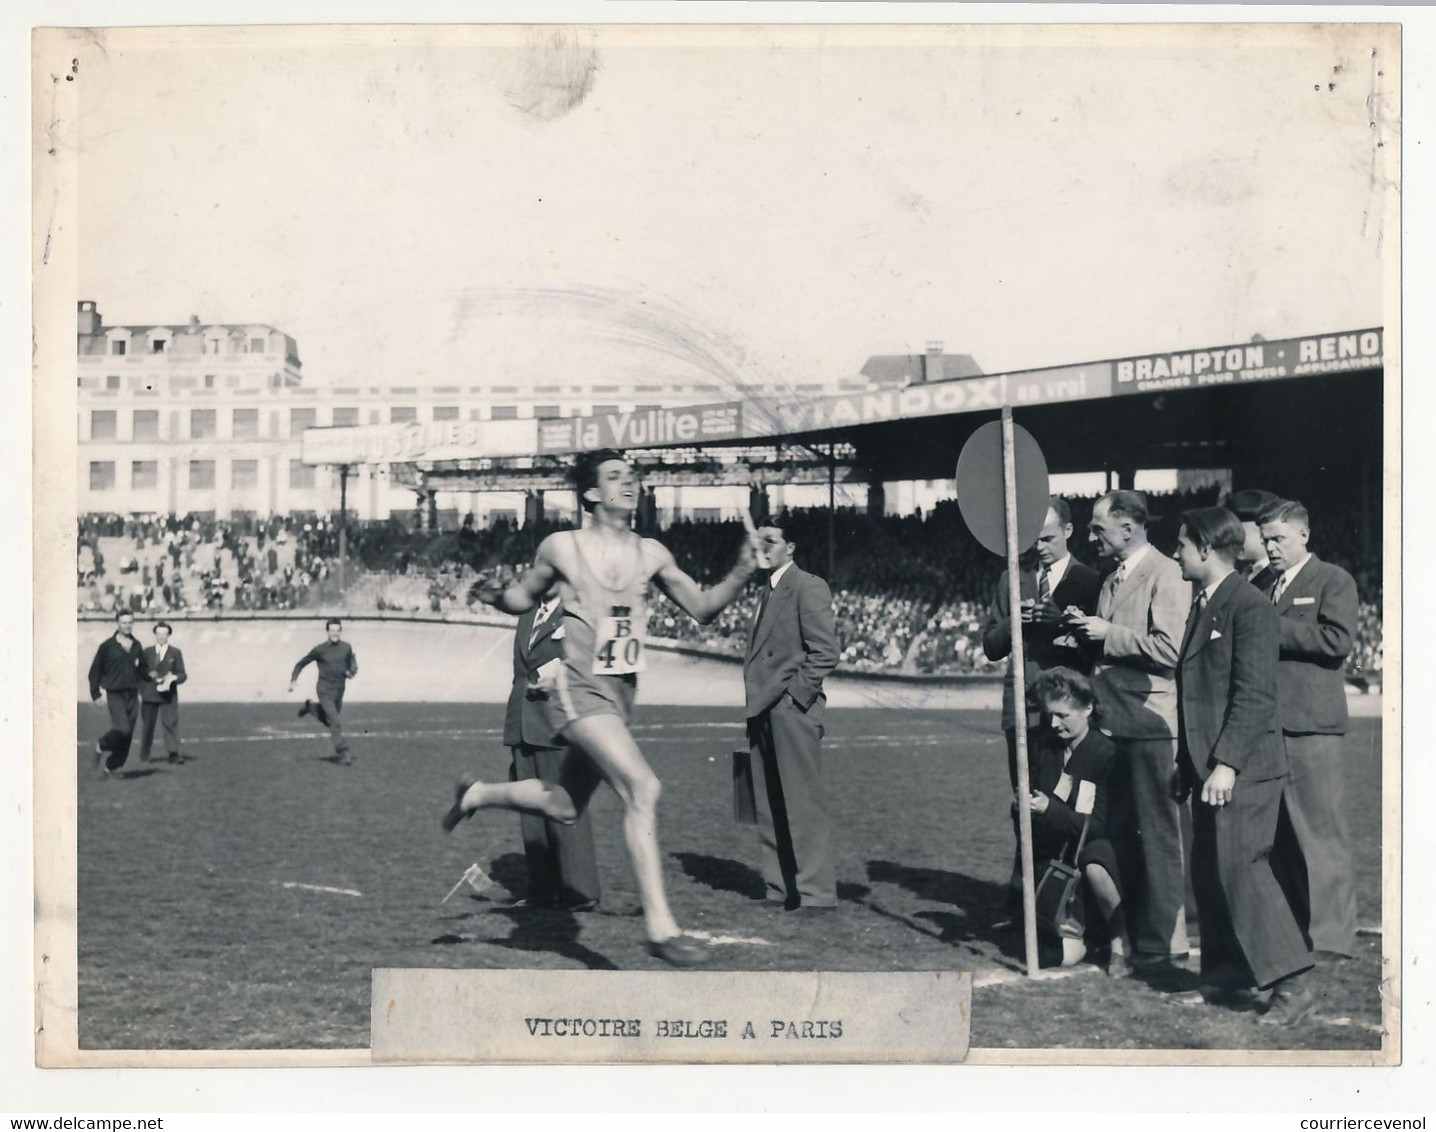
(102, 475)
(346, 417)
(547, 412)
(147, 424)
(102, 424)
(211, 345)
(246, 424)
(144, 475)
(504, 413)
(201, 475)
(403, 414)
(256, 345)
(301, 475)
(244, 473)
(300, 419)
(118, 347)
(446, 412)
(157, 345)
(201, 424)
(112, 381)
(209, 381)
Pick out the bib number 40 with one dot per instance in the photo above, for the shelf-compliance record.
(620, 648)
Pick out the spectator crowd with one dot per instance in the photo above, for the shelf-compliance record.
(910, 593)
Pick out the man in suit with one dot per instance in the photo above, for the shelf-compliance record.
(1232, 761)
(793, 645)
(116, 670)
(1134, 637)
(159, 694)
(1058, 582)
(563, 871)
(1317, 605)
(1252, 563)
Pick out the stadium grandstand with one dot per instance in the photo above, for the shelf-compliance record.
(911, 592)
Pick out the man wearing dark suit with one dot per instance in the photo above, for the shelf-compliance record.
(159, 693)
(1059, 582)
(563, 871)
(1317, 604)
(793, 645)
(116, 670)
(1231, 759)
(1141, 610)
(1252, 563)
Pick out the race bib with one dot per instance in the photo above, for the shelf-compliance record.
(620, 650)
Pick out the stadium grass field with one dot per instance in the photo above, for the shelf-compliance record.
(239, 901)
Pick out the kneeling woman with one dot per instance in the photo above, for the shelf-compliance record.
(1071, 763)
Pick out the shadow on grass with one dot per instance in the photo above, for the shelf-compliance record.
(553, 931)
(722, 874)
(981, 908)
(127, 775)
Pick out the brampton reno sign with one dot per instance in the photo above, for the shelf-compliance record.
(1253, 361)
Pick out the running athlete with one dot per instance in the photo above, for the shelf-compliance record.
(337, 666)
(603, 573)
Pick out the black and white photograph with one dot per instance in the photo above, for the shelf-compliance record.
(731, 499)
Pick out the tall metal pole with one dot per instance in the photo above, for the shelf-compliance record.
(1019, 692)
(832, 505)
(343, 523)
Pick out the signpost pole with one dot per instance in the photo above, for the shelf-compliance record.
(343, 523)
(1019, 692)
(832, 506)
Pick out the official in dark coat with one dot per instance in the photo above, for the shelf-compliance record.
(792, 647)
(1231, 761)
(164, 672)
(1253, 563)
(1318, 607)
(563, 870)
(116, 670)
(1056, 583)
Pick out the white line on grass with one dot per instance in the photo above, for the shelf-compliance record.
(318, 888)
(709, 937)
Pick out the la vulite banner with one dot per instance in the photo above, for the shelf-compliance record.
(651, 428)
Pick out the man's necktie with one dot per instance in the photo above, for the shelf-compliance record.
(1278, 589)
(540, 617)
(762, 605)
(1044, 587)
(1199, 603)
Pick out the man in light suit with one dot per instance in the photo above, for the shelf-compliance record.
(164, 672)
(1141, 611)
(563, 871)
(793, 645)
(1318, 607)
(1232, 761)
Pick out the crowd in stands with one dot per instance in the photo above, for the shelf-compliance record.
(910, 592)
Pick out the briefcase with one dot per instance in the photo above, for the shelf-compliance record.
(745, 807)
(1061, 909)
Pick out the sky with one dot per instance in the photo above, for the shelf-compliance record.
(446, 206)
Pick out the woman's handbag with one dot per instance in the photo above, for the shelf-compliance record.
(1061, 909)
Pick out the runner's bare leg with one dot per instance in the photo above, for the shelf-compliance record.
(605, 739)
